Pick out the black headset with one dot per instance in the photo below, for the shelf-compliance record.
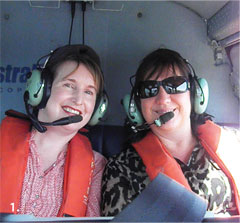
(199, 97)
(39, 83)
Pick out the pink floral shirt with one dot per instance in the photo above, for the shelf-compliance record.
(42, 191)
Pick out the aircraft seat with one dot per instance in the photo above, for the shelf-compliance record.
(107, 139)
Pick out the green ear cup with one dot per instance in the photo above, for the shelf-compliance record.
(100, 111)
(132, 111)
(35, 87)
(201, 96)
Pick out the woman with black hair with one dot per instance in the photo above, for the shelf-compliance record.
(171, 134)
(50, 170)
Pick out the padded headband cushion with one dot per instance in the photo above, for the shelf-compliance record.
(60, 54)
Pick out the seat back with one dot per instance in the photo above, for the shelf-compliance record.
(107, 139)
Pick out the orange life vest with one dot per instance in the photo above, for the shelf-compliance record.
(160, 160)
(78, 170)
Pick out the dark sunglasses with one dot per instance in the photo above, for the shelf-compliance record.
(172, 85)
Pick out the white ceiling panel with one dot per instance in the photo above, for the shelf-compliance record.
(206, 9)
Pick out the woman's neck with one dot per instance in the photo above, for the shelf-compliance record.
(50, 144)
(180, 143)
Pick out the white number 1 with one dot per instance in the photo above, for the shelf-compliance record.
(12, 204)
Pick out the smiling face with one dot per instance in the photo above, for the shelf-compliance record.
(163, 102)
(73, 92)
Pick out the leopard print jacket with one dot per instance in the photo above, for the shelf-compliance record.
(124, 178)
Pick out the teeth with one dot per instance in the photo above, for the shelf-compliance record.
(163, 112)
(71, 110)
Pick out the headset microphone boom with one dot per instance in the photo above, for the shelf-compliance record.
(64, 121)
(163, 118)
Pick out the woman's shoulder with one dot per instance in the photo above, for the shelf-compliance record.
(99, 159)
(14, 127)
(16, 122)
(230, 136)
(232, 130)
(124, 178)
(124, 158)
(126, 165)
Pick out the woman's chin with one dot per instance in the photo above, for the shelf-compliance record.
(71, 128)
(167, 126)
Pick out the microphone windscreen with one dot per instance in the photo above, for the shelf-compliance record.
(166, 117)
(76, 118)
